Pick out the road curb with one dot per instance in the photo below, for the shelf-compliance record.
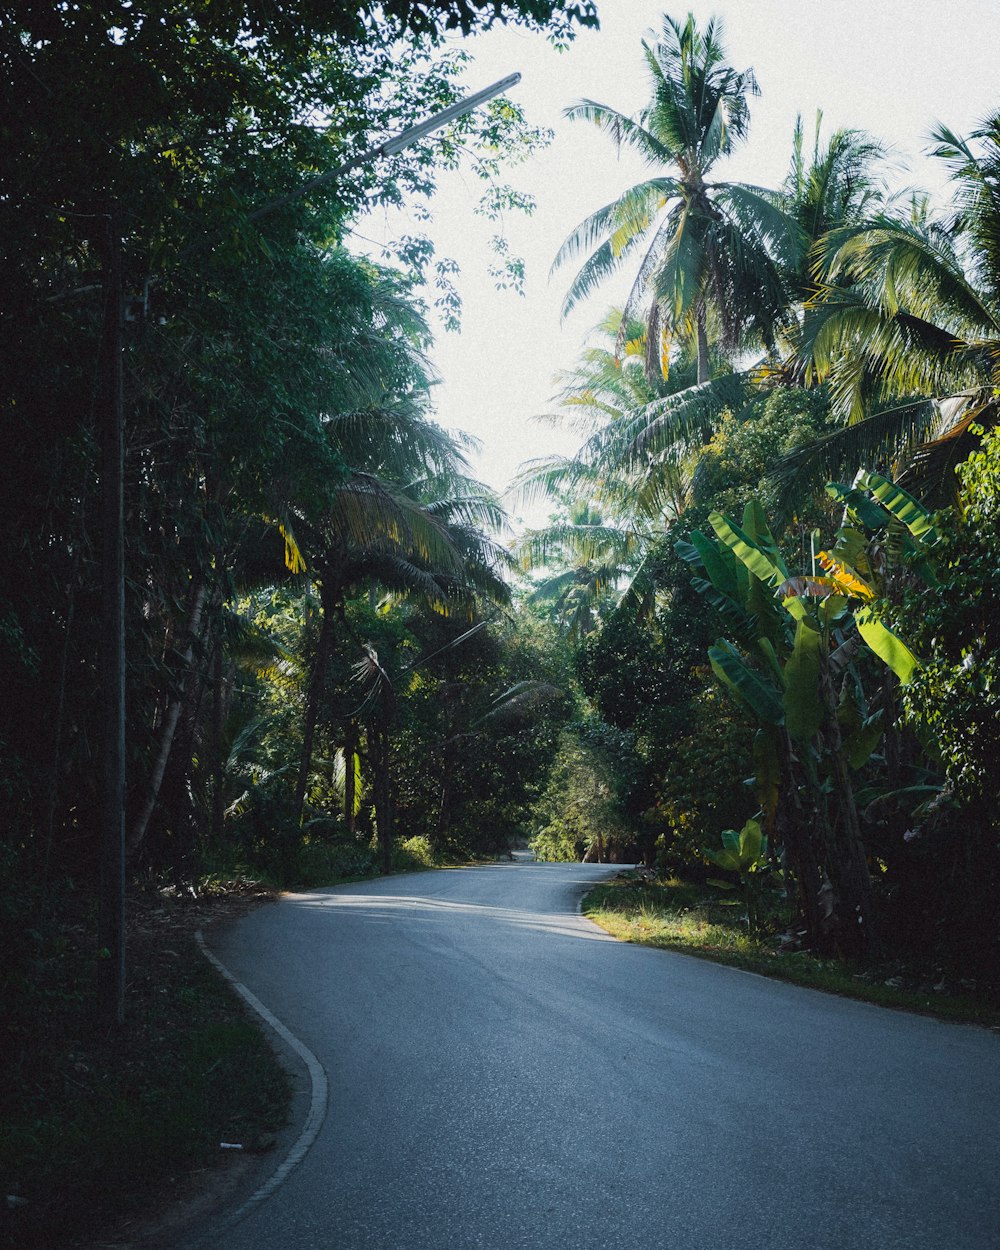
(319, 1090)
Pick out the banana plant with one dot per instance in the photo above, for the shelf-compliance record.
(794, 638)
(744, 853)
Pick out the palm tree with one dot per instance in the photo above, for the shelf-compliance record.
(609, 400)
(610, 498)
(838, 185)
(905, 326)
(641, 440)
(711, 248)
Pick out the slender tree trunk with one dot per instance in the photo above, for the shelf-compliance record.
(175, 797)
(351, 746)
(111, 661)
(57, 736)
(314, 695)
(796, 837)
(444, 814)
(449, 728)
(218, 814)
(855, 901)
(169, 725)
(378, 743)
(704, 369)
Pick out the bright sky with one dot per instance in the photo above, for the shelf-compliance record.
(893, 67)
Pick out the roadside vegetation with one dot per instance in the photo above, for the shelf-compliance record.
(697, 920)
(104, 1131)
(774, 553)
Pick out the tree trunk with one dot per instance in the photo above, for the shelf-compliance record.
(169, 726)
(111, 659)
(351, 747)
(218, 815)
(704, 368)
(177, 849)
(317, 683)
(852, 880)
(795, 835)
(57, 737)
(378, 745)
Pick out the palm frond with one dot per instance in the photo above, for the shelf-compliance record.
(676, 423)
(585, 543)
(878, 439)
(622, 129)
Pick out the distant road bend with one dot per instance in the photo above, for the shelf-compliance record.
(503, 1075)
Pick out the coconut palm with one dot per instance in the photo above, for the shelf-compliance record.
(417, 540)
(905, 326)
(838, 185)
(585, 559)
(708, 251)
(612, 495)
(655, 433)
(607, 399)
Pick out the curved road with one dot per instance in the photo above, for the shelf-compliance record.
(504, 1075)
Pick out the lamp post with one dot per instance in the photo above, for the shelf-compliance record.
(403, 140)
(111, 660)
(111, 663)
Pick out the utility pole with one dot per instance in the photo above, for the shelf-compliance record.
(396, 144)
(111, 903)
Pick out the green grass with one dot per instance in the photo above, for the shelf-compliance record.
(98, 1125)
(678, 916)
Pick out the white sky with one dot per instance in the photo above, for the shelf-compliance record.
(893, 67)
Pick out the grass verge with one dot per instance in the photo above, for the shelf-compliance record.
(99, 1127)
(676, 915)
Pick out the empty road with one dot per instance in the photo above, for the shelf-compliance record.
(504, 1075)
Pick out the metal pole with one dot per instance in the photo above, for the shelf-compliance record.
(402, 140)
(111, 669)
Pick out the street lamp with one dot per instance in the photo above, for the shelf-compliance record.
(402, 140)
(111, 662)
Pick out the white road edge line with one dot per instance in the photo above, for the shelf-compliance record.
(317, 1099)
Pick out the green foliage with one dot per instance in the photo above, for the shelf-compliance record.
(276, 396)
(694, 236)
(582, 807)
(703, 783)
(674, 914)
(478, 724)
(188, 1070)
(742, 452)
(744, 853)
(413, 854)
(952, 700)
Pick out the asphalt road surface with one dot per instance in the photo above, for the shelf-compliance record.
(503, 1075)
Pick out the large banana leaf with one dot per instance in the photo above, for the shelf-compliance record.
(721, 571)
(757, 529)
(802, 702)
(727, 608)
(747, 551)
(889, 648)
(766, 648)
(760, 698)
(903, 506)
(767, 773)
(871, 515)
